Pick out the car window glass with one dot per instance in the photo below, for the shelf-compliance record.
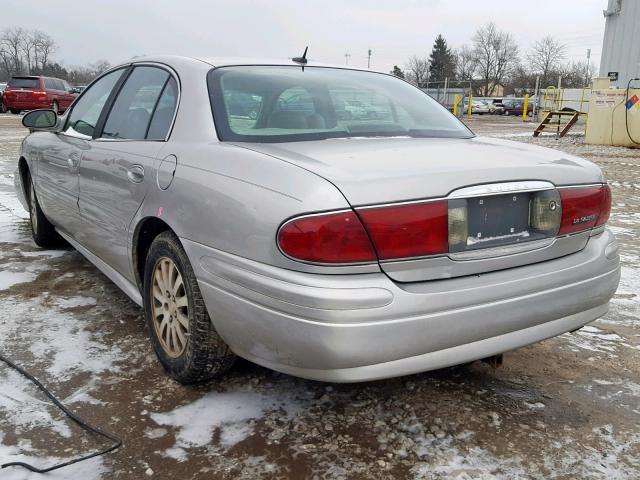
(289, 104)
(87, 109)
(59, 85)
(242, 109)
(18, 82)
(65, 86)
(131, 112)
(163, 115)
(48, 84)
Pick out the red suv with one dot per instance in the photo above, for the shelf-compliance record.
(31, 93)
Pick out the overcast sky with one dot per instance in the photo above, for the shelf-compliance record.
(116, 30)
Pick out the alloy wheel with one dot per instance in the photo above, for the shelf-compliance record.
(169, 307)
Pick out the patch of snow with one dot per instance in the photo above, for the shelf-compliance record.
(92, 469)
(227, 412)
(56, 338)
(78, 301)
(9, 278)
(19, 403)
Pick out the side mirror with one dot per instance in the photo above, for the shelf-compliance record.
(40, 120)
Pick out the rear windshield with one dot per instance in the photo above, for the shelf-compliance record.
(19, 82)
(287, 103)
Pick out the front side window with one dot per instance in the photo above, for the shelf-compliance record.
(86, 111)
(131, 113)
(287, 103)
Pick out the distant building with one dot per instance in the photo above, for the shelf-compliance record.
(621, 45)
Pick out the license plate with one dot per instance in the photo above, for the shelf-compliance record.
(495, 220)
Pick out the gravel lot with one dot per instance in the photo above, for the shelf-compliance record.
(568, 407)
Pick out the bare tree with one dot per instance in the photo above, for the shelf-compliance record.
(496, 54)
(11, 47)
(417, 70)
(545, 58)
(28, 49)
(44, 48)
(465, 63)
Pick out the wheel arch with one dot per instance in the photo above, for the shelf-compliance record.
(24, 172)
(147, 229)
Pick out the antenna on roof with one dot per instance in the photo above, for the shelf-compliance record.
(303, 59)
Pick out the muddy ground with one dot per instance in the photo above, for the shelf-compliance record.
(568, 407)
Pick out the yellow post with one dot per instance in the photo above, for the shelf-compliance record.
(470, 103)
(525, 108)
(456, 99)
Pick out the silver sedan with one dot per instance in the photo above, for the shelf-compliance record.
(243, 207)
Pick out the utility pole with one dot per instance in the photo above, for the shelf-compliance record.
(369, 60)
(586, 76)
(346, 58)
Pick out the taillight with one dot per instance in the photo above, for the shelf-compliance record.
(327, 238)
(411, 230)
(435, 227)
(584, 208)
(36, 93)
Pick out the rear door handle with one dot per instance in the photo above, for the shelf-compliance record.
(136, 173)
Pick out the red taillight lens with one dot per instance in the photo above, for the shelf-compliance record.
(329, 238)
(412, 230)
(584, 208)
(605, 206)
(36, 93)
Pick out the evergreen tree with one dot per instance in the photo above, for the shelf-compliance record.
(442, 62)
(397, 72)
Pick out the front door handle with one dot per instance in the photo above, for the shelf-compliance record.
(73, 160)
(136, 173)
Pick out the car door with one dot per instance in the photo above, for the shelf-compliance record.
(60, 153)
(116, 173)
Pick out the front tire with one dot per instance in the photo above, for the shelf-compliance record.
(182, 334)
(42, 230)
(15, 111)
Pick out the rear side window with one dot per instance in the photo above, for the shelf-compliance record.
(20, 82)
(49, 84)
(87, 108)
(165, 109)
(131, 113)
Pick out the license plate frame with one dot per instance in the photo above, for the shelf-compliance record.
(496, 220)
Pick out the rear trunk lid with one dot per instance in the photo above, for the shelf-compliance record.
(502, 174)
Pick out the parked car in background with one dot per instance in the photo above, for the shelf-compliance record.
(496, 107)
(515, 106)
(477, 106)
(3, 85)
(337, 250)
(35, 92)
(78, 89)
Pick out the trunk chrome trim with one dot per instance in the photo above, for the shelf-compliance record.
(500, 188)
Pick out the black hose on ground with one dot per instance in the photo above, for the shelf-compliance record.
(116, 441)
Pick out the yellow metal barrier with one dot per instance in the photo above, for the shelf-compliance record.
(525, 108)
(456, 99)
(470, 107)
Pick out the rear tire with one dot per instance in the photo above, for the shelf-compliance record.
(182, 334)
(42, 230)
(55, 107)
(15, 111)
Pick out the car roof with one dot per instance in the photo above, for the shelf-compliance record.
(236, 61)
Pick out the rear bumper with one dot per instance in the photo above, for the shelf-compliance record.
(348, 328)
(16, 104)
